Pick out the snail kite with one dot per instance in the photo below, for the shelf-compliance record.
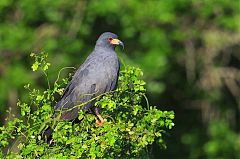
(96, 76)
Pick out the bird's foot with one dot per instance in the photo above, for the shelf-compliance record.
(99, 120)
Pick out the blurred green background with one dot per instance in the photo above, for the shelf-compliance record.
(189, 51)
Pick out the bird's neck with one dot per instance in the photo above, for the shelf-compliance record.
(105, 47)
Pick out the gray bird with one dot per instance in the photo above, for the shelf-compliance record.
(96, 76)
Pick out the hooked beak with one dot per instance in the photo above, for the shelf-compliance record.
(117, 42)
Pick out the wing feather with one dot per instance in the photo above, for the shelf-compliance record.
(97, 75)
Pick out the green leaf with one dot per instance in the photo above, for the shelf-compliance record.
(35, 66)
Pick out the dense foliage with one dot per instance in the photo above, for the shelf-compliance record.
(128, 130)
(187, 49)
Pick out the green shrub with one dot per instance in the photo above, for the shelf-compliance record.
(129, 126)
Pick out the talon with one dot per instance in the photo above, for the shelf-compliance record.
(99, 119)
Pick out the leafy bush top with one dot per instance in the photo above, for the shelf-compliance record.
(128, 130)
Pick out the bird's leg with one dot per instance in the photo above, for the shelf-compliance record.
(99, 119)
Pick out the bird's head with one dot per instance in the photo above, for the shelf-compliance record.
(109, 40)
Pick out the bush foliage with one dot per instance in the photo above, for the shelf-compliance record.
(130, 126)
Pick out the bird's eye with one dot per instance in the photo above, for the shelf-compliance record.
(110, 39)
